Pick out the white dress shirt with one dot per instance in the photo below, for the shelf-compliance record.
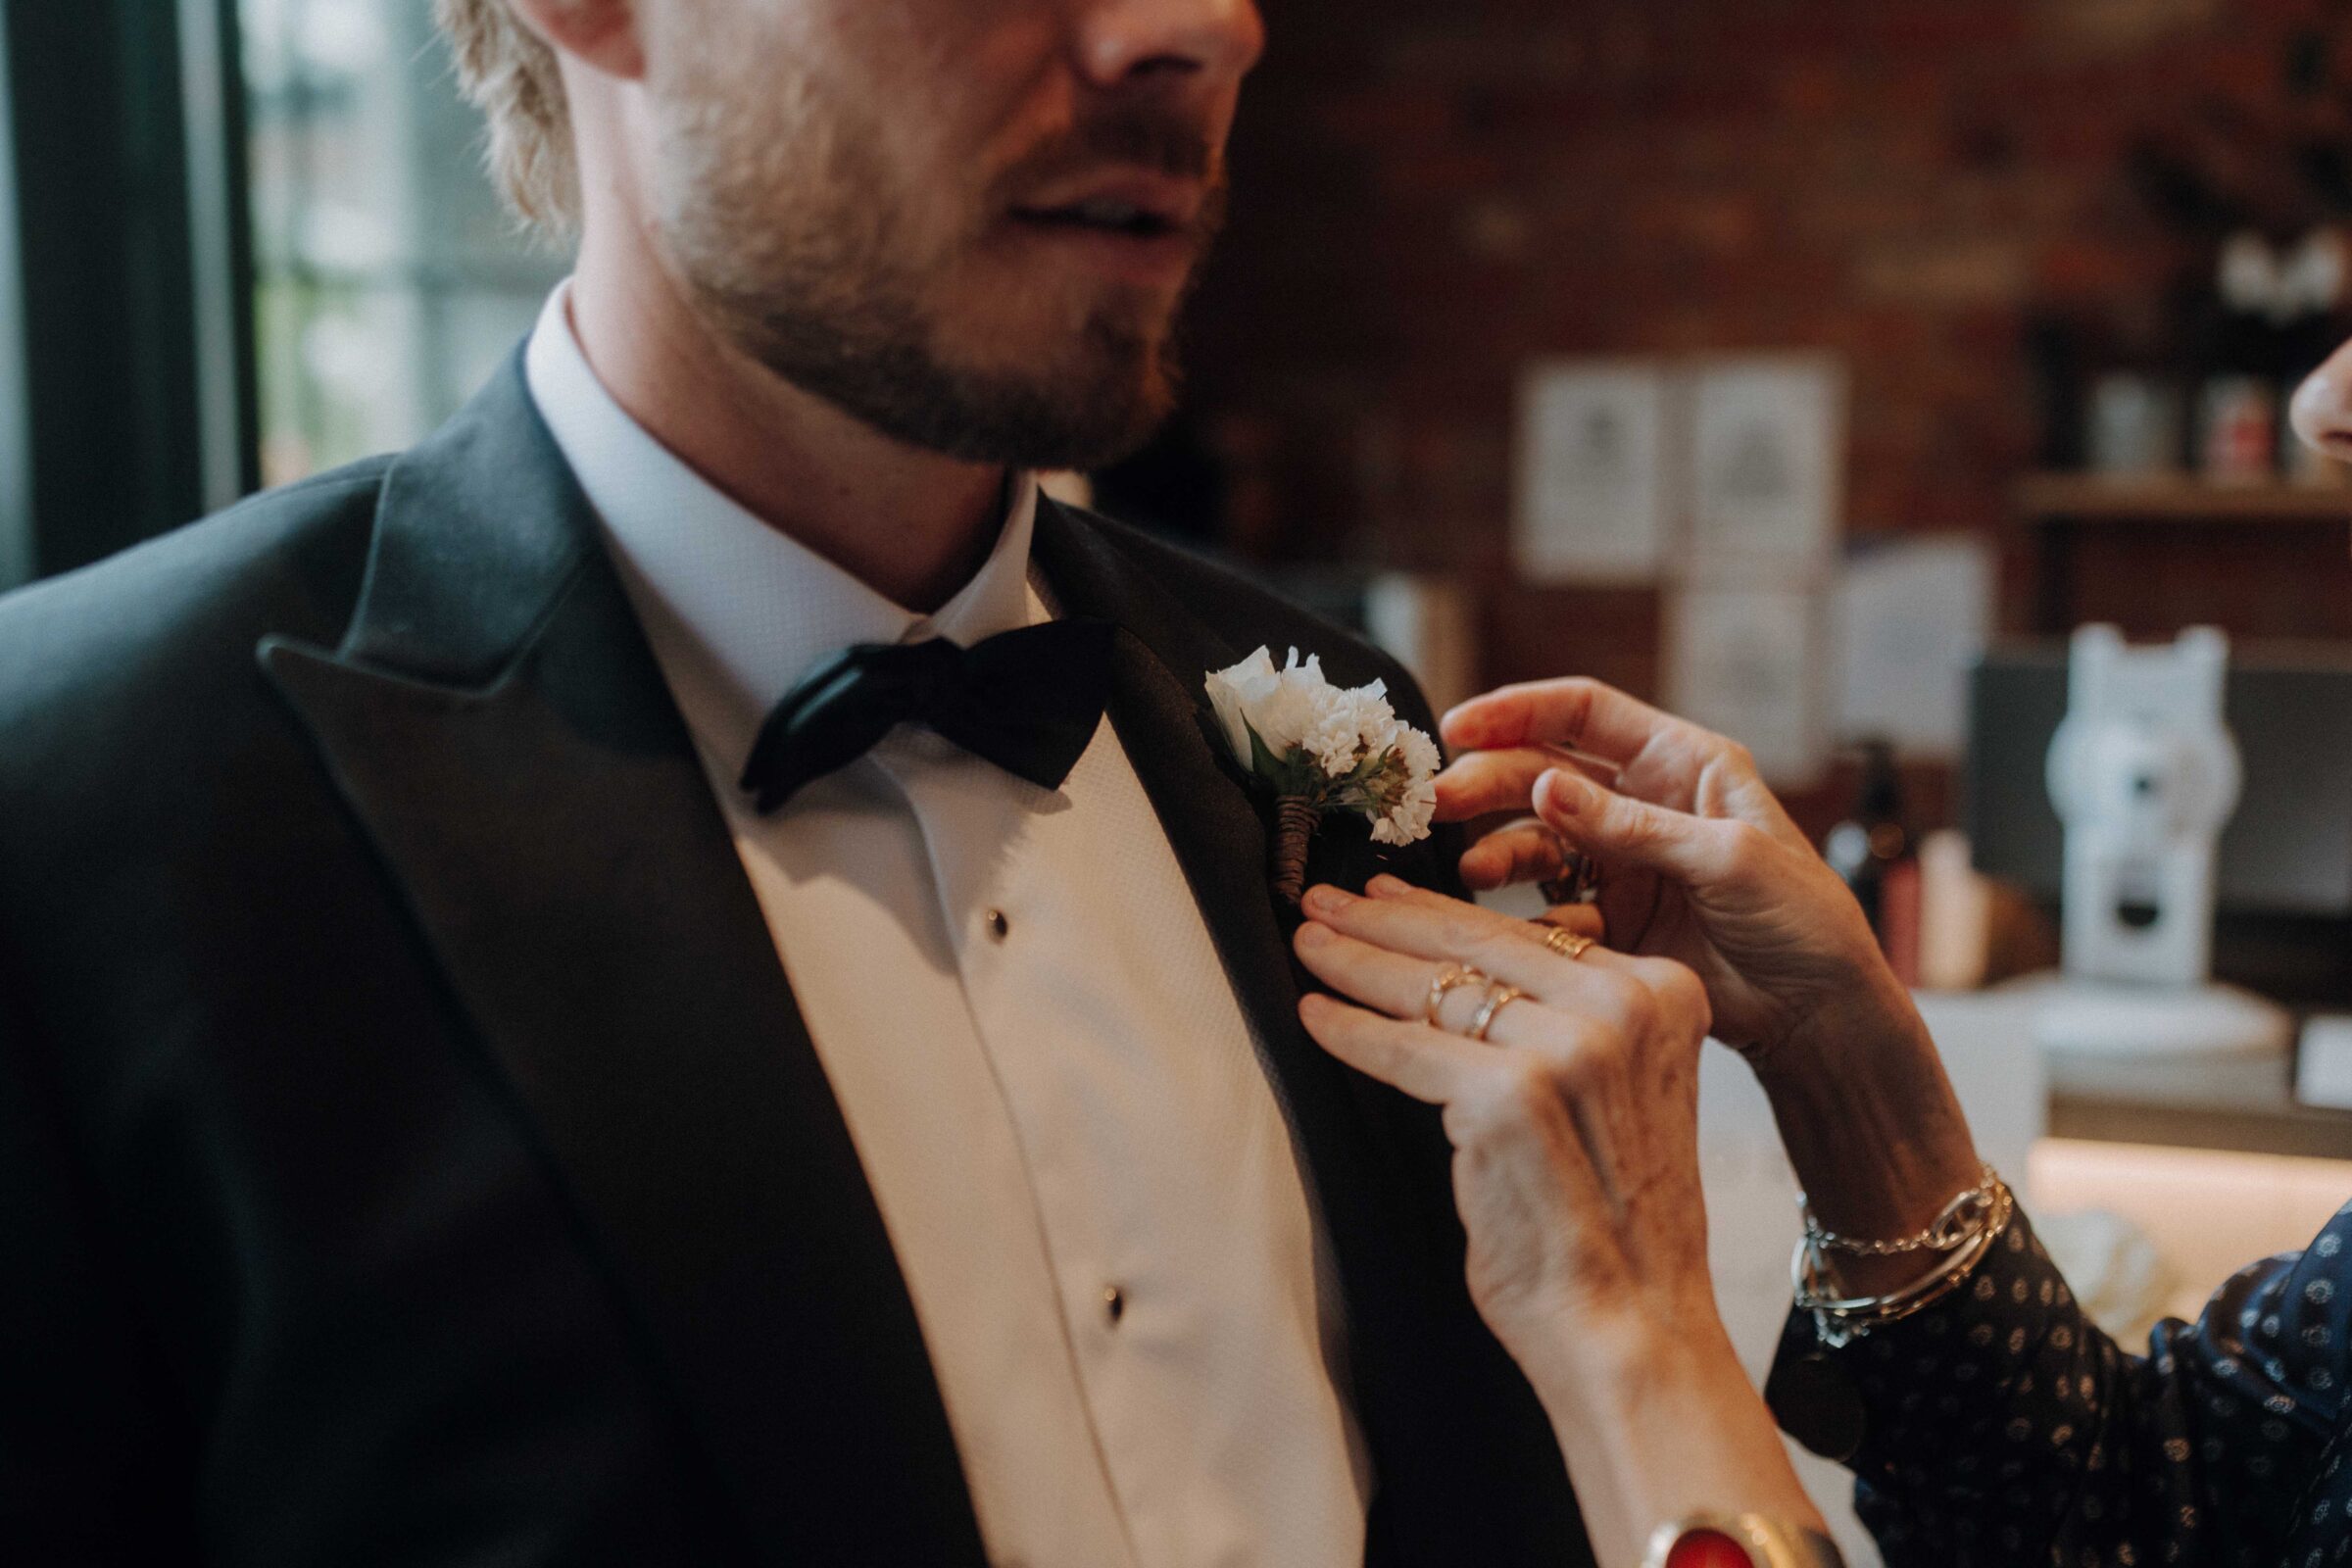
(1085, 1174)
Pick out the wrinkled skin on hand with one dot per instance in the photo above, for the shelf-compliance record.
(1574, 1122)
(1700, 863)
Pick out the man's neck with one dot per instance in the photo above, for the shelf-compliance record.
(913, 525)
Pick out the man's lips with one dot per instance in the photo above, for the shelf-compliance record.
(1135, 206)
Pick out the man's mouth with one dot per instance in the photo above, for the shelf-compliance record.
(1103, 215)
(1132, 206)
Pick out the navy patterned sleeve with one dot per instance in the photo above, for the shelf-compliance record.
(2002, 1427)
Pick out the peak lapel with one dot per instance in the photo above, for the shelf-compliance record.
(500, 731)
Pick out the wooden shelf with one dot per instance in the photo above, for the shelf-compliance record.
(2057, 499)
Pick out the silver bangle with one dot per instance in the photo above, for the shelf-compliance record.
(1839, 1319)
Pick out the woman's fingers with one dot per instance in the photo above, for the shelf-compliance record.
(1530, 851)
(1527, 852)
(1618, 829)
(1523, 851)
(1482, 783)
(1426, 927)
(1434, 1067)
(1400, 985)
(1394, 983)
(1576, 713)
(1576, 919)
(1508, 1112)
(1403, 918)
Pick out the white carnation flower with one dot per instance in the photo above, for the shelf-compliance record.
(1407, 821)
(1421, 758)
(1317, 737)
(1351, 726)
(1232, 691)
(1280, 705)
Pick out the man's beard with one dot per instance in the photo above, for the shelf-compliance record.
(823, 289)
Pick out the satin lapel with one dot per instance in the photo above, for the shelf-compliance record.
(500, 731)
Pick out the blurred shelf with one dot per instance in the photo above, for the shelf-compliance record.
(2053, 499)
(2240, 1105)
(2236, 1103)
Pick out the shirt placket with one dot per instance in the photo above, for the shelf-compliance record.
(972, 822)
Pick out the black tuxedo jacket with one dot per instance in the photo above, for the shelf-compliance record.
(410, 1151)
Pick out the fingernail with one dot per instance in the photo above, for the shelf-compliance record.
(1563, 790)
(1311, 935)
(1385, 886)
(1324, 900)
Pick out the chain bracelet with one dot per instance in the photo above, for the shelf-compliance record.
(1839, 1319)
(1963, 1218)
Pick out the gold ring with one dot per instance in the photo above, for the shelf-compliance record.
(1452, 975)
(1498, 996)
(1568, 944)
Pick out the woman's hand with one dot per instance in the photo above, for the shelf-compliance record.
(1574, 1121)
(1574, 1124)
(1701, 866)
(1700, 863)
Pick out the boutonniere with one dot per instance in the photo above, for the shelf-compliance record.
(1323, 749)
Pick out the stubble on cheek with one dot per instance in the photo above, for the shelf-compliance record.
(754, 201)
(876, 264)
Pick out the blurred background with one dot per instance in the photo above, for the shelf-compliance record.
(1815, 368)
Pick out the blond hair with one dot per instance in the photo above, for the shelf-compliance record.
(509, 73)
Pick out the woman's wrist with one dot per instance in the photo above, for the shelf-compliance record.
(1664, 1426)
(1871, 1124)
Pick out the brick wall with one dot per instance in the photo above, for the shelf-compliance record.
(1428, 194)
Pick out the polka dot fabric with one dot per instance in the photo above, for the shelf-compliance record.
(2003, 1428)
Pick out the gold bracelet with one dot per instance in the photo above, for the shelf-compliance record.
(1766, 1543)
(1961, 1218)
(1839, 1320)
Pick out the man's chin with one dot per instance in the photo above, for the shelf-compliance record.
(1082, 408)
(1078, 397)
(1077, 424)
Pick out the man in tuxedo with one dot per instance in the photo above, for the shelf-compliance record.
(543, 1019)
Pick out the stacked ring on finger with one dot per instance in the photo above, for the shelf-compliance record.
(1446, 979)
(1498, 996)
(1568, 944)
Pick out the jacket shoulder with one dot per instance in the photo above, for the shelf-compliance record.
(151, 649)
(284, 560)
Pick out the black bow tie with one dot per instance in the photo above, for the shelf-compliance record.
(1028, 701)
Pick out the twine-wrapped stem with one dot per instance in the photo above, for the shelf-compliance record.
(1293, 824)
